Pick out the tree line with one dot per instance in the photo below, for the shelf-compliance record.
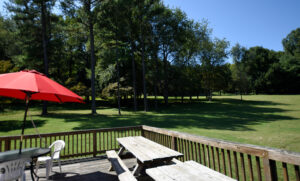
(132, 49)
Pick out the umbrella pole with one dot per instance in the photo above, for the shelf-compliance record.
(25, 115)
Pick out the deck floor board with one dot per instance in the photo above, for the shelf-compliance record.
(87, 169)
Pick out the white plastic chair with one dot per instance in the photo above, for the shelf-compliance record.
(13, 170)
(55, 155)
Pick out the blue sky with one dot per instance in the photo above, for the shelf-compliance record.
(250, 23)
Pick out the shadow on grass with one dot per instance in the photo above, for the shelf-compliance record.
(223, 114)
(11, 125)
(226, 114)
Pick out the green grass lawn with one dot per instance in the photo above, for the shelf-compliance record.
(268, 120)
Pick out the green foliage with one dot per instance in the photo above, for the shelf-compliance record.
(212, 57)
(111, 90)
(7, 66)
(178, 55)
(291, 43)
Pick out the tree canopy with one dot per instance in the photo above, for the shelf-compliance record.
(131, 49)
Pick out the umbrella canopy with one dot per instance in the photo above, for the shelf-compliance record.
(20, 84)
(33, 85)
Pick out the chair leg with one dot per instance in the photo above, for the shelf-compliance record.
(37, 166)
(23, 176)
(48, 168)
(59, 165)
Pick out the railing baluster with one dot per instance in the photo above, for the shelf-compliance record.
(236, 166)
(199, 153)
(77, 144)
(258, 168)
(243, 166)
(73, 144)
(297, 174)
(250, 167)
(194, 151)
(208, 156)
(69, 143)
(204, 156)
(213, 157)
(218, 159)
(223, 161)
(182, 149)
(186, 150)
(285, 172)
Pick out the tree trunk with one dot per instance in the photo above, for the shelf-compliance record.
(210, 95)
(119, 102)
(166, 81)
(91, 29)
(44, 32)
(241, 95)
(133, 78)
(156, 80)
(144, 78)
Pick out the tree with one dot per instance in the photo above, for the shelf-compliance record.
(212, 56)
(239, 75)
(34, 18)
(291, 43)
(85, 11)
(257, 61)
(290, 62)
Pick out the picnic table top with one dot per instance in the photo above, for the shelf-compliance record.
(146, 150)
(188, 171)
(26, 153)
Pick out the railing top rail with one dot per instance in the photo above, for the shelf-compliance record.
(73, 132)
(261, 151)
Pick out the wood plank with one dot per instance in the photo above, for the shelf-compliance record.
(212, 173)
(162, 148)
(187, 171)
(121, 169)
(145, 150)
(178, 173)
(132, 148)
(158, 174)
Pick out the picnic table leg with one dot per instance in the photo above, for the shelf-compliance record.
(137, 169)
(120, 152)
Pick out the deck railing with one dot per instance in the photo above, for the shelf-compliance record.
(239, 161)
(78, 143)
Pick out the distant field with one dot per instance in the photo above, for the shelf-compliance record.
(268, 120)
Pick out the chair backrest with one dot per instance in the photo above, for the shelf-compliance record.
(12, 170)
(58, 146)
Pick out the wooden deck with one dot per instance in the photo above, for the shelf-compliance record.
(86, 169)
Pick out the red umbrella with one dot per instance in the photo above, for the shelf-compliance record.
(33, 85)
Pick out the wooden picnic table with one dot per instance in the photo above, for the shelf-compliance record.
(146, 152)
(188, 171)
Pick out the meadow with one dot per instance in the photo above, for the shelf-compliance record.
(267, 120)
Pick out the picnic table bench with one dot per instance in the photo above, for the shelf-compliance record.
(187, 171)
(120, 168)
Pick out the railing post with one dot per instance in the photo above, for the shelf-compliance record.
(174, 143)
(7, 145)
(270, 169)
(142, 131)
(94, 143)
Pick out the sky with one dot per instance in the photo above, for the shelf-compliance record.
(247, 22)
